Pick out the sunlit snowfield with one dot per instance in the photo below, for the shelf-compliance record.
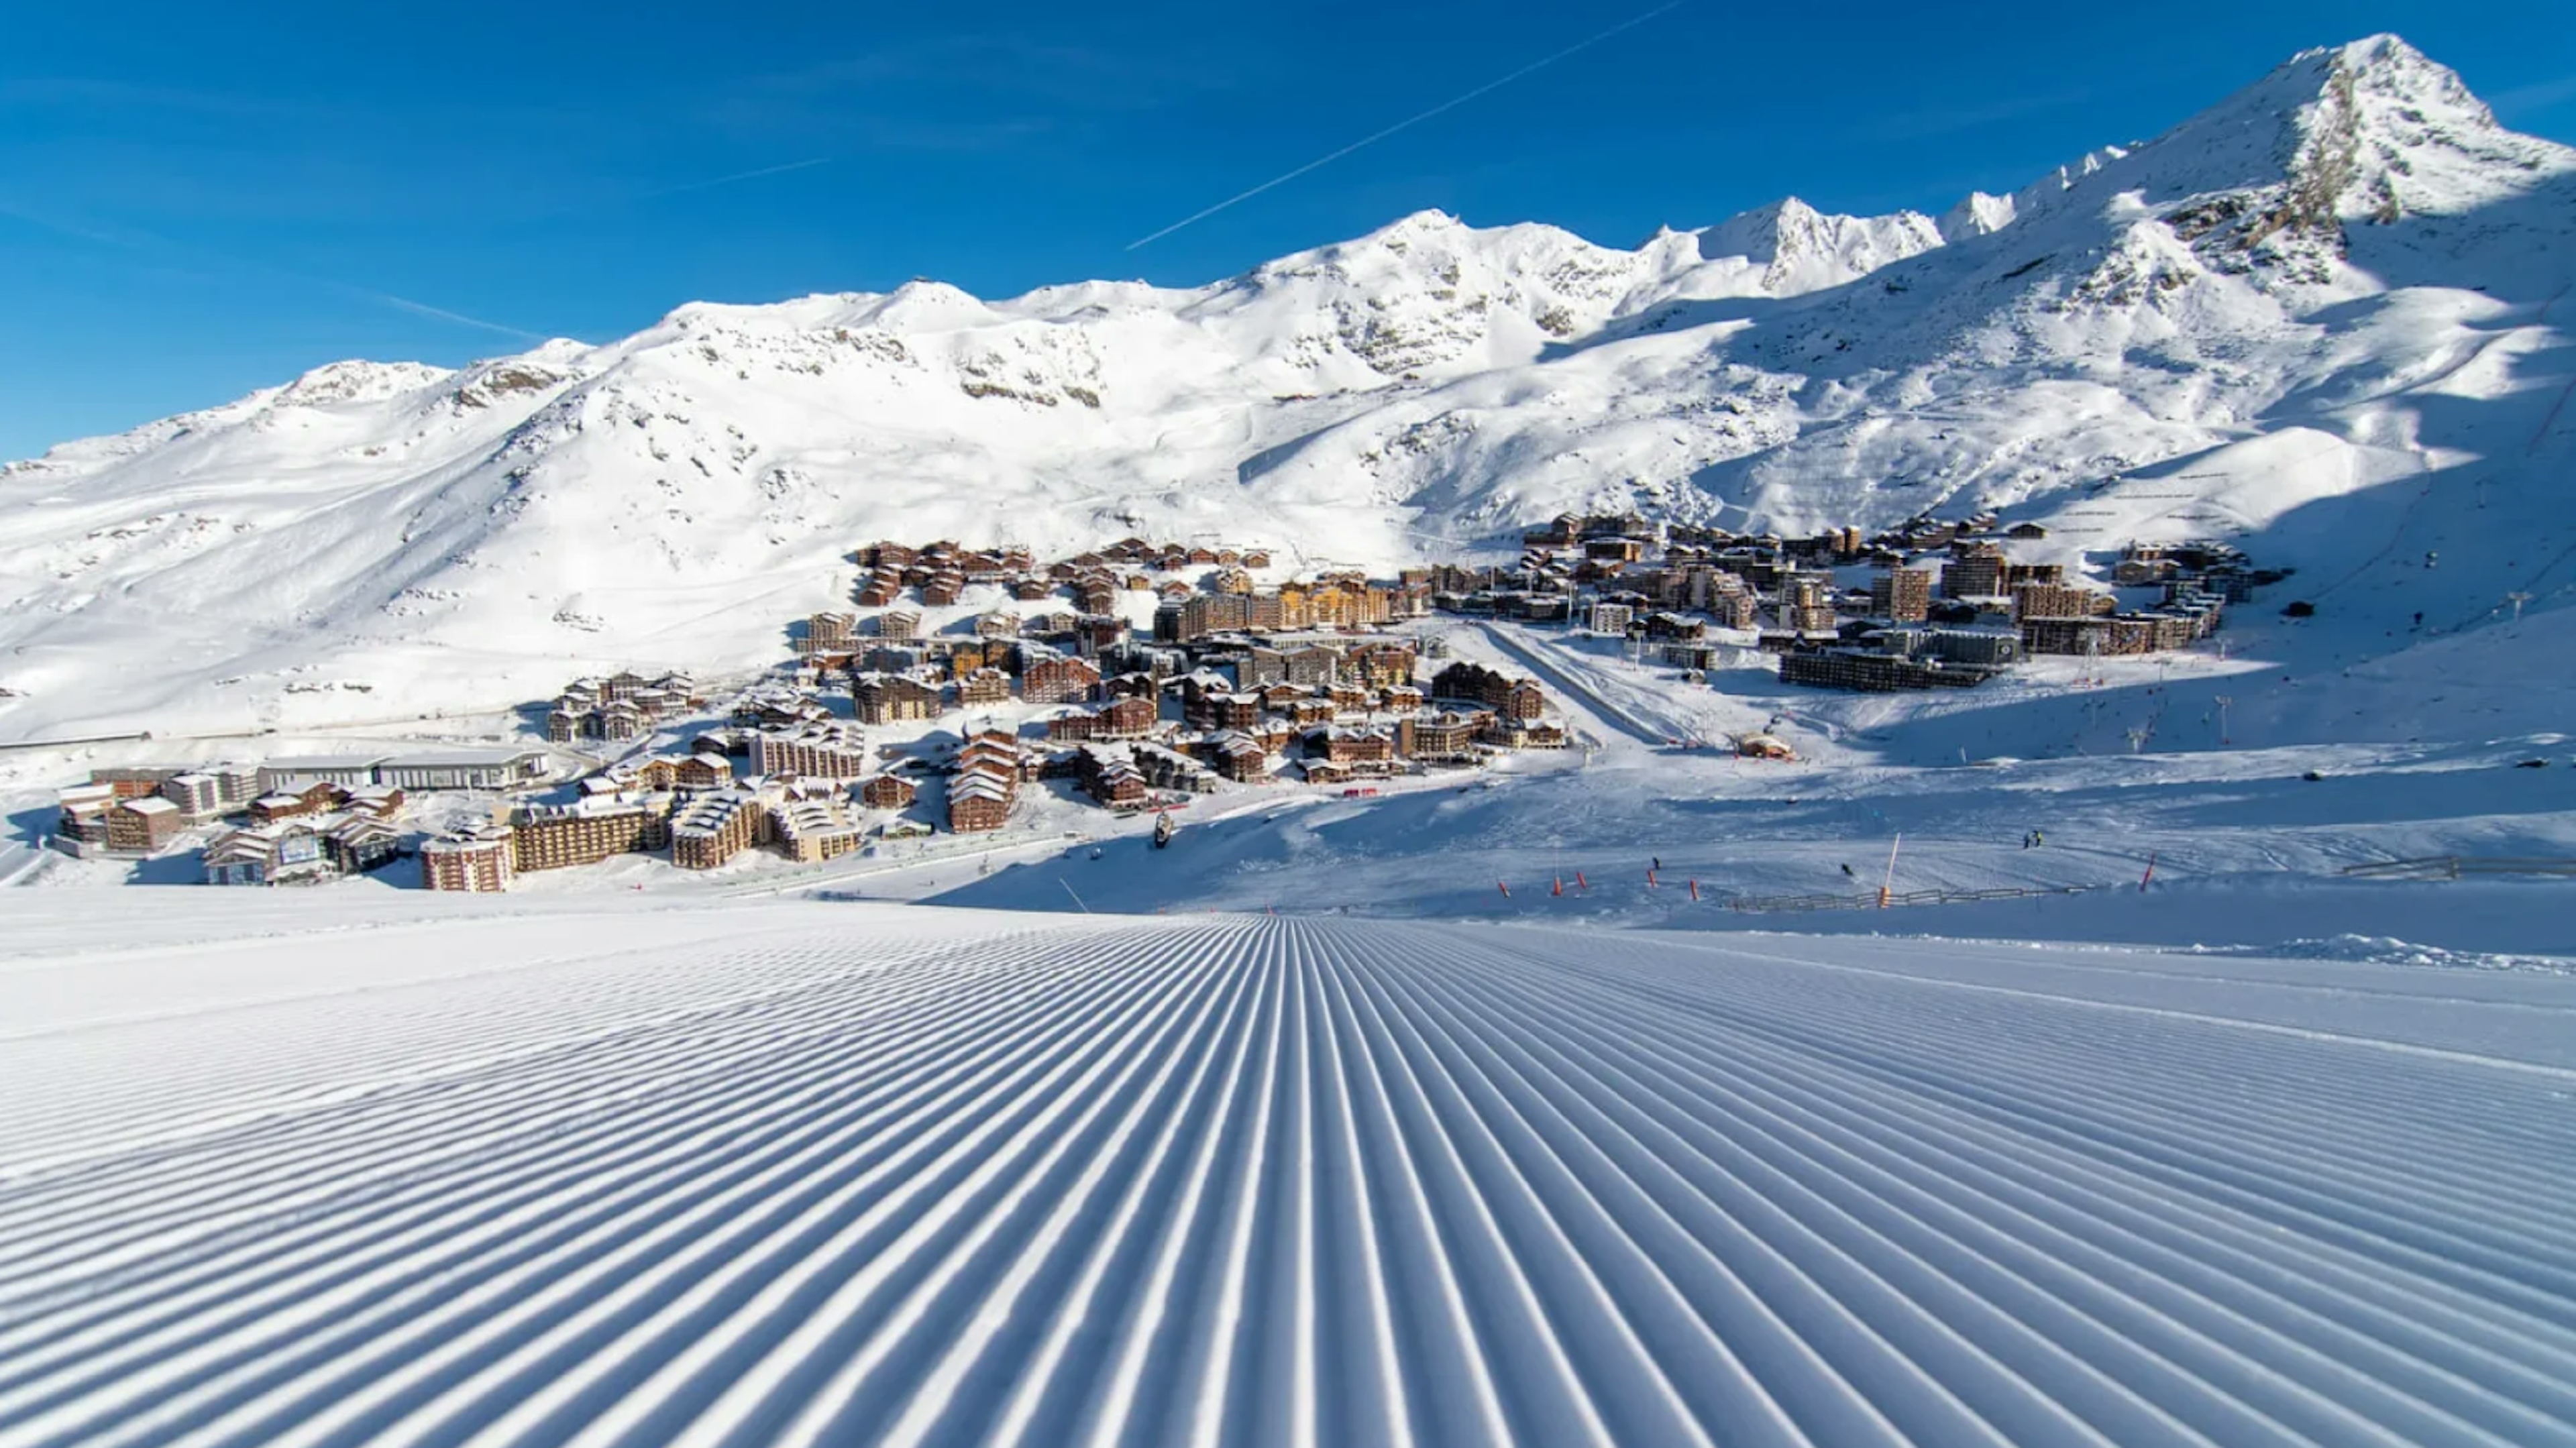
(787, 1173)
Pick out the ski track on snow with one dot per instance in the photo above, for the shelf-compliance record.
(1102, 1181)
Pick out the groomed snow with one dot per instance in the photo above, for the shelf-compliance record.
(574, 1172)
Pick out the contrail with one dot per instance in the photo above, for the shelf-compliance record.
(423, 309)
(135, 239)
(1448, 105)
(729, 180)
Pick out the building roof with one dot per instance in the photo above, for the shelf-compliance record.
(456, 758)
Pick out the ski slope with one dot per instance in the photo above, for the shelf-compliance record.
(557, 1172)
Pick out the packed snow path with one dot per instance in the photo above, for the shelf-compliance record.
(856, 1174)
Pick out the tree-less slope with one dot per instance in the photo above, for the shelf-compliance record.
(816, 1174)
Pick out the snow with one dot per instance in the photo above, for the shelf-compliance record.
(1313, 1134)
(517, 1172)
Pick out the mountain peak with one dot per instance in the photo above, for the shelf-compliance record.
(1802, 249)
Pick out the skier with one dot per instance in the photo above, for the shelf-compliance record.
(1848, 871)
(2038, 838)
(1659, 864)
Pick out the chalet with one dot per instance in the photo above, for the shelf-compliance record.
(978, 802)
(714, 828)
(898, 625)
(825, 749)
(997, 624)
(555, 837)
(1237, 756)
(810, 830)
(990, 764)
(1315, 665)
(1380, 665)
(288, 852)
(881, 698)
(983, 686)
(1168, 769)
(1356, 750)
(1130, 686)
(1074, 726)
(1447, 737)
(1059, 680)
(1112, 778)
(383, 801)
(1505, 732)
(887, 791)
(359, 843)
(80, 825)
(317, 797)
(1129, 718)
(658, 774)
(475, 859)
(1515, 699)
(726, 743)
(135, 783)
(700, 773)
(198, 796)
(827, 633)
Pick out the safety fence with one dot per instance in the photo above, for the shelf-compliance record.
(1885, 899)
(2452, 867)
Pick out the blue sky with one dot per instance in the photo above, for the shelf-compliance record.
(199, 200)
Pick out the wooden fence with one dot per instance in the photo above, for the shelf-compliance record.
(2452, 867)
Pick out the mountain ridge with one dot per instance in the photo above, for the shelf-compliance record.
(2349, 250)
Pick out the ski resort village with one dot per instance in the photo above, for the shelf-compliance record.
(1137, 677)
(1947, 827)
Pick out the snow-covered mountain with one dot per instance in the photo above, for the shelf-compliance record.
(2314, 315)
